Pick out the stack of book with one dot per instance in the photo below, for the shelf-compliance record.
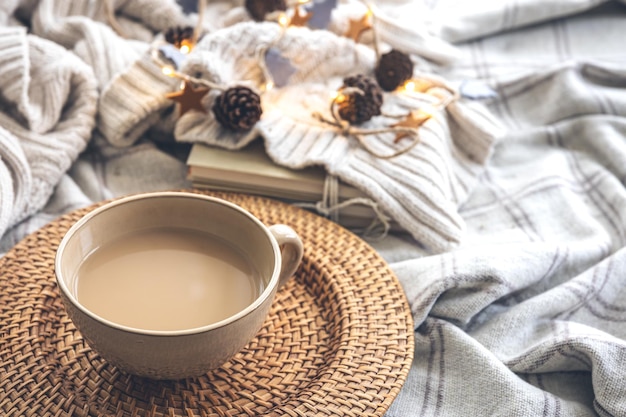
(251, 171)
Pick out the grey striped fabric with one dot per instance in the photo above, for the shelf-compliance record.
(527, 315)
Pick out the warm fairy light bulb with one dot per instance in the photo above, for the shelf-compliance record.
(338, 97)
(269, 85)
(409, 86)
(167, 71)
(427, 111)
(186, 46)
(283, 20)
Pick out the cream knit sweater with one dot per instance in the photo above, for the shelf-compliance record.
(51, 81)
(46, 118)
(421, 189)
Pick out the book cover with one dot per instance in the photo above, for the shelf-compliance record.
(251, 171)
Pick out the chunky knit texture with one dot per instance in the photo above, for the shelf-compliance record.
(72, 65)
(46, 118)
(421, 189)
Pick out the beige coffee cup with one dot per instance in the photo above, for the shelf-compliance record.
(275, 252)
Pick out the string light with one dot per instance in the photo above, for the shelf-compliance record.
(407, 126)
(427, 111)
(337, 97)
(185, 48)
(283, 20)
(409, 86)
(417, 86)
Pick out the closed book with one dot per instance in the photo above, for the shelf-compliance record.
(250, 170)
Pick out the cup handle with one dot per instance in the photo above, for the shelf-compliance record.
(291, 250)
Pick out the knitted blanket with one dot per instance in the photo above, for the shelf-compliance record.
(516, 284)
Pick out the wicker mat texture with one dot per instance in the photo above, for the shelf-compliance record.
(338, 340)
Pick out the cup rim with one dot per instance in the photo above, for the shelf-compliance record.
(260, 300)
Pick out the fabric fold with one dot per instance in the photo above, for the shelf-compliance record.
(458, 21)
(420, 189)
(46, 121)
(403, 26)
(15, 180)
(130, 104)
(85, 28)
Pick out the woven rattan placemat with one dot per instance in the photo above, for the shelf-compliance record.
(338, 340)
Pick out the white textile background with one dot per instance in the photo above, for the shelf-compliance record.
(527, 317)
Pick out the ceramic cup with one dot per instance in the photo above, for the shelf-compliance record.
(275, 251)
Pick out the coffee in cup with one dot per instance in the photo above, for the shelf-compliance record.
(170, 285)
(167, 279)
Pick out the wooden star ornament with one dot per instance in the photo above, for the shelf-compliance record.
(299, 19)
(413, 120)
(357, 27)
(189, 98)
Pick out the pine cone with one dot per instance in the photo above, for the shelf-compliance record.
(176, 35)
(259, 8)
(238, 109)
(358, 108)
(394, 69)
